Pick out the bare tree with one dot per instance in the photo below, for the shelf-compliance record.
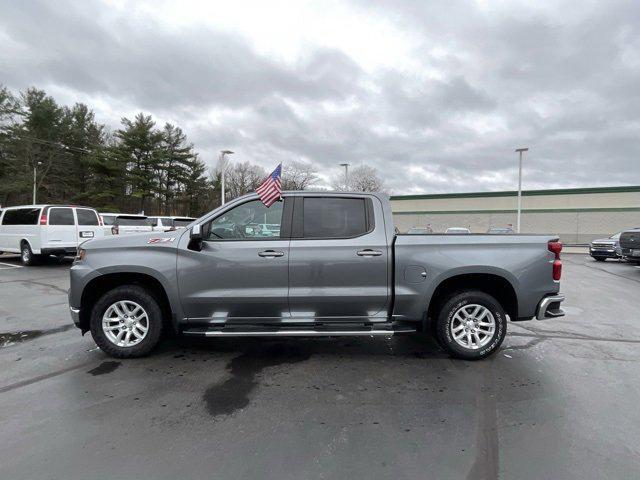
(242, 178)
(298, 175)
(361, 179)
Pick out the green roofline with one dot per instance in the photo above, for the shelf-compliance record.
(525, 193)
(528, 210)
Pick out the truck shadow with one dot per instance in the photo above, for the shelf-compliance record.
(414, 346)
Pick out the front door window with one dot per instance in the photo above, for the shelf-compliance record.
(249, 221)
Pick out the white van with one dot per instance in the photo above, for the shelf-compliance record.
(124, 223)
(39, 230)
(165, 224)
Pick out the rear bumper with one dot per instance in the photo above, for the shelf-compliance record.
(70, 251)
(549, 307)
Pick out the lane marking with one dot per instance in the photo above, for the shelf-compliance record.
(9, 265)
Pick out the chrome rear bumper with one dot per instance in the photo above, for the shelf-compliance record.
(549, 307)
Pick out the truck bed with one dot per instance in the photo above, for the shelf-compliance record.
(422, 263)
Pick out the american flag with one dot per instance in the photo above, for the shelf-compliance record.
(271, 189)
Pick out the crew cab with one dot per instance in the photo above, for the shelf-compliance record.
(335, 268)
(36, 231)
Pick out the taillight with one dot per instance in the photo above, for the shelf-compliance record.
(43, 219)
(555, 247)
(100, 221)
(557, 269)
(115, 230)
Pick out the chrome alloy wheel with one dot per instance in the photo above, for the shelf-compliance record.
(473, 326)
(125, 323)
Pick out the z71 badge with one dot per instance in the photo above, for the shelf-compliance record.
(161, 240)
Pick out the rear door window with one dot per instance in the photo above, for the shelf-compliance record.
(21, 216)
(61, 216)
(329, 217)
(87, 217)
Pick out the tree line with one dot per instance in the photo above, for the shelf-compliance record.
(140, 167)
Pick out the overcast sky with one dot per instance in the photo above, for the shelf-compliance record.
(436, 95)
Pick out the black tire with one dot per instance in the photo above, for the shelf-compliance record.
(147, 301)
(27, 258)
(445, 319)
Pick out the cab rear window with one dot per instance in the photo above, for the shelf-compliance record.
(132, 222)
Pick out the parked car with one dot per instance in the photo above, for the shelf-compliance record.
(127, 224)
(165, 224)
(604, 248)
(335, 269)
(630, 245)
(500, 231)
(419, 231)
(457, 230)
(36, 231)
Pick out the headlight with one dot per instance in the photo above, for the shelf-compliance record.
(81, 254)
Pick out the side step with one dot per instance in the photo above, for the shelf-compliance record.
(251, 331)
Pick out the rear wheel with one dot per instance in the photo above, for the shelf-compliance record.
(126, 322)
(471, 325)
(26, 255)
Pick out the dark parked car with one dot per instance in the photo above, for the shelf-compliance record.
(604, 248)
(630, 245)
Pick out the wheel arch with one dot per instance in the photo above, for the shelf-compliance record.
(492, 283)
(99, 285)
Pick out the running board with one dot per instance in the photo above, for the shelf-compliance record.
(297, 333)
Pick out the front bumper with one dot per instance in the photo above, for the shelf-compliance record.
(603, 252)
(549, 307)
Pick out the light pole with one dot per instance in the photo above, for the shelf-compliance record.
(346, 175)
(35, 168)
(223, 167)
(520, 150)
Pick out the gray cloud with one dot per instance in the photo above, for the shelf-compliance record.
(562, 80)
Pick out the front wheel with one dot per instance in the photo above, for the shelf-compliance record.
(471, 325)
(126, 322)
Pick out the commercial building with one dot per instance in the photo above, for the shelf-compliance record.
(578, 215)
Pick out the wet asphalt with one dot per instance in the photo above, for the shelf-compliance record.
(560, 400)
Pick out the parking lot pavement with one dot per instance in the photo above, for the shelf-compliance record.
(560, 400)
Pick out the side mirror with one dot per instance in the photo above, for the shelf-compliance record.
(196, 232)
(195, 238)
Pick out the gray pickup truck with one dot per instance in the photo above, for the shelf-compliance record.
(329, 264)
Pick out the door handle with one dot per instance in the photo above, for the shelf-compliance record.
(369, 253)
(270, 254)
